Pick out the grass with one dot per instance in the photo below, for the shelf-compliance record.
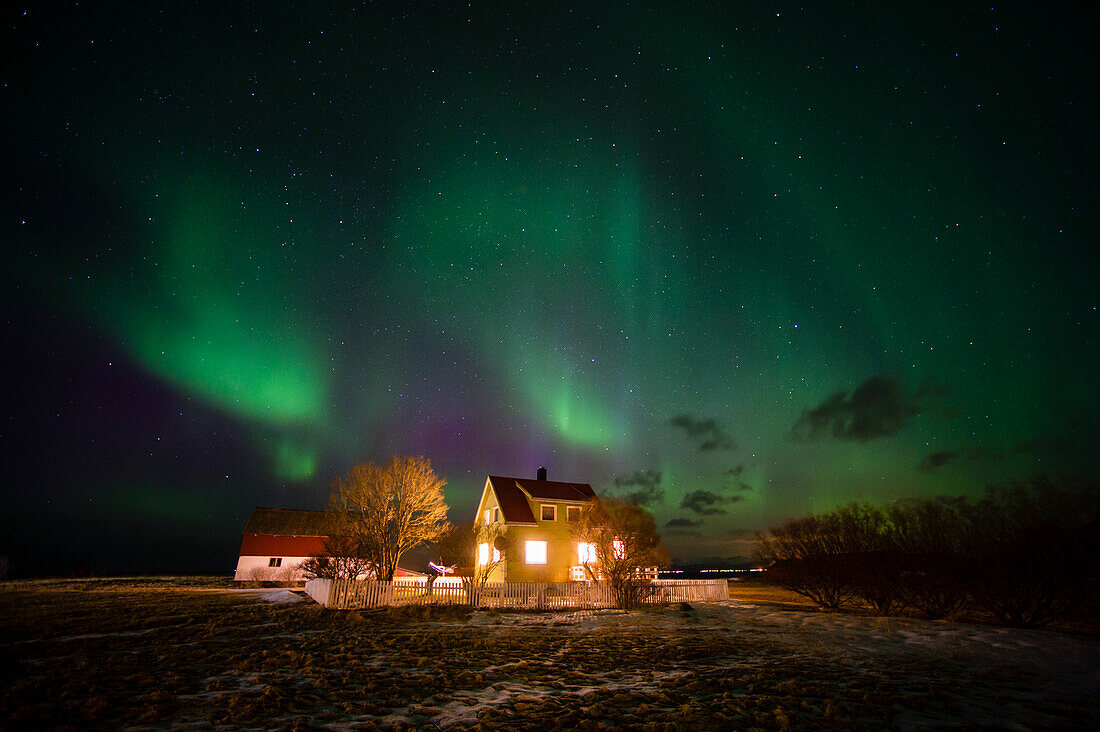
(151, 652)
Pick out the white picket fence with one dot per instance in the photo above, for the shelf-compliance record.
(347, 594)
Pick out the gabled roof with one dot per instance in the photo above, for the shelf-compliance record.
(510, 493)
(291, 522)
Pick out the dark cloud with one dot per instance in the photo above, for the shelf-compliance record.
(879, 407)
(683, 523)
(734, 477)
(935, 460)
(1040, 444)
(706, 503)
(707, 433)
(645, 485)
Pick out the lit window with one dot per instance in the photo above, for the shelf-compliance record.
(488, 516)
(536, 552)
(482, 554)
(618, 548)
(586, 553)
(572, 513)
(549, 512)
(275, 562)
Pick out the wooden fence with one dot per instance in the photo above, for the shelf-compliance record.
(346, 594)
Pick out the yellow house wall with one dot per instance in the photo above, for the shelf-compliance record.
(489, 502)
(561, 546)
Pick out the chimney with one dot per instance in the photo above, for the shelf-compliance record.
(542, 474)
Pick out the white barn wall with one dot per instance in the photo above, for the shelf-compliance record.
(256, 569)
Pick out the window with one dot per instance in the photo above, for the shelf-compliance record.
(572, 513)
(549, 512)
(618, 548)
(483, 554)
(496, 514)
(536, 552)
(488, 516)
(275, 562)
(586, 553)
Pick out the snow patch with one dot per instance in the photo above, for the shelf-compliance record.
(282, 597)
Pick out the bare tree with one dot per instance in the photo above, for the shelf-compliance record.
(622, 538)
(342, 557)
(477, 550)
(388, 509)
(806, 556)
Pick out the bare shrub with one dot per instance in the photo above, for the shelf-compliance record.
(476, 550)
(1026, 553)
(1033, 553)
(806, 557)
(930, 539)
(258, 575)
(626, 543)
(341, 557)
(869, 546)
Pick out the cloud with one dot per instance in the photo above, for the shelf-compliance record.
(734, 475)
(706, 503)
(879, 407)
(683, 523)
(1041, 445)
(935, 460)
(707, 433)
(646, 485)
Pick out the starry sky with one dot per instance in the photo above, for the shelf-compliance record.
(735, 261)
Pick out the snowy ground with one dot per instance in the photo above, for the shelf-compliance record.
(190, 659)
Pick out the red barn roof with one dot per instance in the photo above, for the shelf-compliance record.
(292, 522)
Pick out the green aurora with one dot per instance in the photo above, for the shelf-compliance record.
(787, 257)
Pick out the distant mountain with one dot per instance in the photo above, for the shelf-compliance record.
(696, 565)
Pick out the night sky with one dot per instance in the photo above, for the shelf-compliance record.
(737, 261)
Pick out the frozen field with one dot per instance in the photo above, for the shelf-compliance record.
(168, 655)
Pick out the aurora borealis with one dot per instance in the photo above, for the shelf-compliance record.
(739, 261)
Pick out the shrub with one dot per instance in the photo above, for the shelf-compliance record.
(1026, 553)
(1033, 550)
(934, 573)
(805, 556)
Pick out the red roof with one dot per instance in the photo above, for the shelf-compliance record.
(510, 495)
(264, 545)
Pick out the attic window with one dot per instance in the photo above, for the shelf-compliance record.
(549, 512)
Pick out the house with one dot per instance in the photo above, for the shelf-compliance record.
(535, 517)
(277, 540)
